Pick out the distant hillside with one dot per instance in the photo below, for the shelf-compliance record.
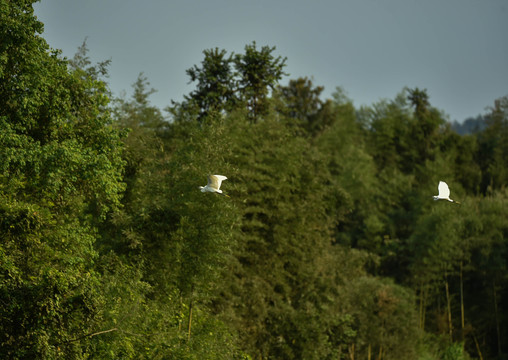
(470, 125)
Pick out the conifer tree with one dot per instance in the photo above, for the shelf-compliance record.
(215, 88)
(258, 73)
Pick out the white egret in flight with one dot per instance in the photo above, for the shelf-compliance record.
(444, 192)
(214, 182)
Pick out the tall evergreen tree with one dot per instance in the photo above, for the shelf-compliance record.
(224, 81)
(215, 88)
(259, 72)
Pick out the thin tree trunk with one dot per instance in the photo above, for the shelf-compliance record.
(498, 330)
(421, 306)
(477, 347)
(380, 353)
(191, 305)
(369, 350)
(425, 296)
(449, 308)
(462, 315)
(180, 317)
(190, 321)
(352, 351)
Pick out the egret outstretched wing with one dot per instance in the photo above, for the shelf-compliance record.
(213, 186)
(444, 190)
(214, 181)
(444, 193)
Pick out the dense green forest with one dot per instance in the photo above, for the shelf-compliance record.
(329, 246)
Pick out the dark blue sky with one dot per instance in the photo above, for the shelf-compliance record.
(456, 49)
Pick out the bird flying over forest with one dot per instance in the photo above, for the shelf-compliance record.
(444, 192)
(214, 182)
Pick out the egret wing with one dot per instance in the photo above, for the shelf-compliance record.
(444, 191)
(215, 181)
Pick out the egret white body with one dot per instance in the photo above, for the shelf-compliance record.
(444, 192)
(214, 182)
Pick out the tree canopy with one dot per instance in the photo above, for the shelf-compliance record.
(328, 246)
